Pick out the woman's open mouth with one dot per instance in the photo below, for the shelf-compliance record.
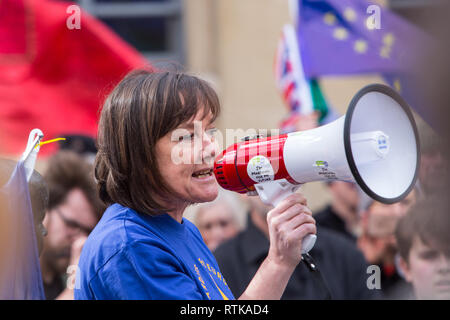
(203, 174)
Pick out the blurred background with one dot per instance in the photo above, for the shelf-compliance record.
(231, 43)
(274, 67)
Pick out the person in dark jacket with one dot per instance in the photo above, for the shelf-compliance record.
(341, 215)
(344, 272)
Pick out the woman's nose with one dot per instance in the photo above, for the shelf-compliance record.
(209, 148)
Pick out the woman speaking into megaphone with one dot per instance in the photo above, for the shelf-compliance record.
(143, 248)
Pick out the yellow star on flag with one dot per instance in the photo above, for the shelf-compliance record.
(340, 33)
(360, 46)
(397, 85)
(329, 18)
(388, 39)
(350, 14)
(385, 52)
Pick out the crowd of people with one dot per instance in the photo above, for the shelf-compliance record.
(365, 249)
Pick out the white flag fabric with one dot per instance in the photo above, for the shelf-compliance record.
(20, 274)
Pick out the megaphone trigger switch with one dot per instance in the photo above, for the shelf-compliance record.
(308, 243)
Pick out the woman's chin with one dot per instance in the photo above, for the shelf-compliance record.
(203, 189)
(207, 194)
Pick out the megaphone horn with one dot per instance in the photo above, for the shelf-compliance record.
(375, 144)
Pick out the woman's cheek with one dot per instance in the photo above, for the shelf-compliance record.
(180, 154)
(196, 153)
(214, 192)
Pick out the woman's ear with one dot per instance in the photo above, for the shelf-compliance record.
(405, 270)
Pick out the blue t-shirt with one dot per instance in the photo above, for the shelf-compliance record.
(136, 256)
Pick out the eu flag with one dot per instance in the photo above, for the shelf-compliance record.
(20, 274)
(340, 37)
(343, 37)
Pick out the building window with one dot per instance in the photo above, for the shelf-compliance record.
(154, 27)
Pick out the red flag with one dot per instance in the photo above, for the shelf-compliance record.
(53, 77)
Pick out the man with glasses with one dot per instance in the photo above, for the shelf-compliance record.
(74, 210)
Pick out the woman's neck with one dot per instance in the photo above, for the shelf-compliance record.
(178, 212)
(178, 207)
(176, 215)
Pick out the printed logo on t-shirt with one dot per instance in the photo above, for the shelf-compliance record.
(213, 273)
(201, 281)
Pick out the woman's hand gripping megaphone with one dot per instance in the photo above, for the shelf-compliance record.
(289, 207)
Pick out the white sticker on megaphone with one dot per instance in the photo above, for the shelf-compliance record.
(259, 169)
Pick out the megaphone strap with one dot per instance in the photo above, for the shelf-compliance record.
(312, 266)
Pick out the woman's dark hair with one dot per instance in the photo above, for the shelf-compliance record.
(143, 108)
(429, 220)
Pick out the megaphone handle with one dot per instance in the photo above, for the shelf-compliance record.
(273, 192)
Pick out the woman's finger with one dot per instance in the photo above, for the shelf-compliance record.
(277, 220)
(296, 222)
(289, 202)
(301, 232)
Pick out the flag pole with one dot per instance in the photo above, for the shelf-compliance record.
(294, 11)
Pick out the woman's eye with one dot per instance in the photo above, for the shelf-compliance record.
(186, 138)
(211, 132)
(190, 137)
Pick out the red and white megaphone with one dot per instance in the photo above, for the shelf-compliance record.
(375, 144)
